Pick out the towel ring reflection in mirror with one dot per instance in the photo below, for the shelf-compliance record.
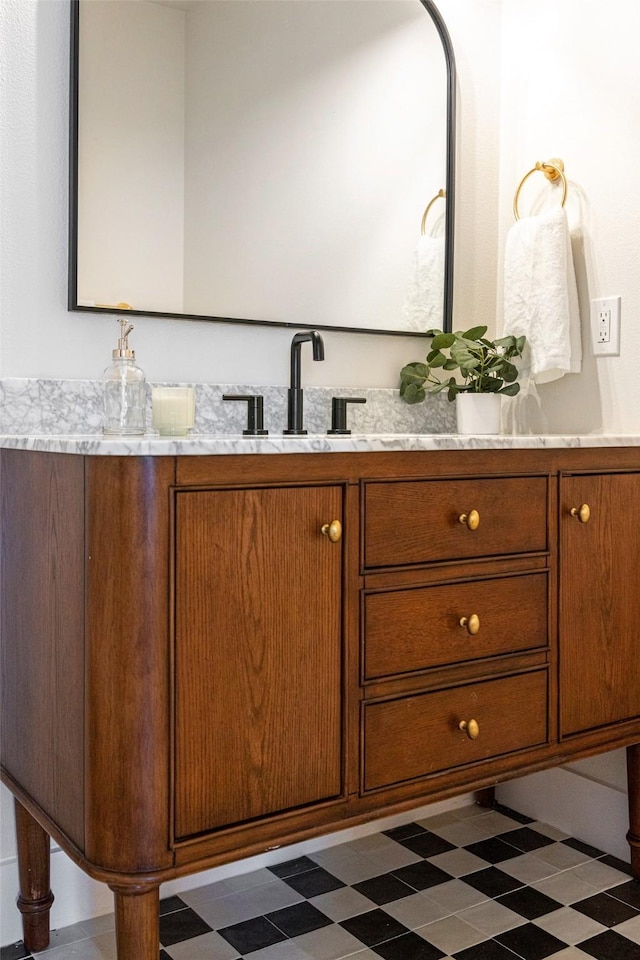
(441, 193)
(553, 170)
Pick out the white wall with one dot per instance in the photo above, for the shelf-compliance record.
(528, 90)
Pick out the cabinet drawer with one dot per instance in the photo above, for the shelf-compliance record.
(418, 521)
(415, 736)
(418, 628)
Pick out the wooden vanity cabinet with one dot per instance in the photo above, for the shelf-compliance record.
(455, 626)
(207, 657)
(599, 601)
(258, 654)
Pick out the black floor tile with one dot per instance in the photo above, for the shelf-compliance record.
(384, 889)
(529, 903)
(525, 839)
(298, 919)
(252, 935)
(629, 892)
(427, 844)
(171, 904)
(292, 867)
(489, 950)
(607, 910)
(181, 925)
(404, 831)
(409, 946)
(422, 875)
(492, 881)
(493, 850)
(373, 927)
(314, 882)
(617, 864)
(610, 946)
(531, 942)
(513, 814)
(14, 951)
(583, 847)
(164, 955)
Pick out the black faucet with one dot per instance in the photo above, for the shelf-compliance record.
(294, 393)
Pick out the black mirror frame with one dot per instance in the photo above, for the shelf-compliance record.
(450, 185)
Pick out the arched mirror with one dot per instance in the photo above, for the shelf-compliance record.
(263, 161)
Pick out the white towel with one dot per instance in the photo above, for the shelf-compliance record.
(424, 302)
(541, 297)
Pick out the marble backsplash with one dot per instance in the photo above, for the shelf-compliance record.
(54, 407)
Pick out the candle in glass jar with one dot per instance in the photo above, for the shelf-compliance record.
(173, 410)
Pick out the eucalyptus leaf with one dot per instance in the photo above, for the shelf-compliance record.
(413, 393)
(475, 333)
(414, 371)
(443, 341)
(485, 365)
(510, 390)
(509, 372)
(438, 361)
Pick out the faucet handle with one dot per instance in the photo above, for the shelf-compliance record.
(339, 413)
(255, 420)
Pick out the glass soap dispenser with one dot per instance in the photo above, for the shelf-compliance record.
(124, 390)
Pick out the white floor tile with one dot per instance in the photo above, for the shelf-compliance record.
(570, 925)
(491, 918)
(203, 948)
(248, 904)
(451, 934)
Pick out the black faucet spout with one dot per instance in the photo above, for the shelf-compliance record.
(294, 394)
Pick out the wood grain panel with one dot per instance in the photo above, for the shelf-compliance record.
(410, 522)
(599, 602)
(127, 731)
(414, 629)
(258, 654)
(414, 736)
(42, 631)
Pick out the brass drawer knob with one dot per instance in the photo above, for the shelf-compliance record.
(471, 519)
(472, 624)
(583, 512)
(332, 530)
(470, 727)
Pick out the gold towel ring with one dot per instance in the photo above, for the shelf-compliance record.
(439, 194)
(553, 171)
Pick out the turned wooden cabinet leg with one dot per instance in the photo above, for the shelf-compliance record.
(633, 780)
(137, 911)
(35, 897)
(485, 797)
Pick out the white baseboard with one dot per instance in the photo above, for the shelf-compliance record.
(580, 806)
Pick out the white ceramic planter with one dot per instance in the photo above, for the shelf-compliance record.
(478, 413)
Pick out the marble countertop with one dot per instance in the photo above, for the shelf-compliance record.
(215, 445)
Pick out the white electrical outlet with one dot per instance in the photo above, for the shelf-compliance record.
(605, 326)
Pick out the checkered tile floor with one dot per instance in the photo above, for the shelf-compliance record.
(470, 884)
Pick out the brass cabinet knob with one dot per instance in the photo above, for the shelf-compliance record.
(471, 519)
(332, 530)
(470, 727)
(472, 623)
(583, 512)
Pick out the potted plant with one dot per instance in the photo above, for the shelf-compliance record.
(486, 372)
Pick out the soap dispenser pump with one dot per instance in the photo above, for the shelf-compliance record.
(124, 390)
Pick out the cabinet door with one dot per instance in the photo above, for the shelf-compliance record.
(599, 602)
(258, 654)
